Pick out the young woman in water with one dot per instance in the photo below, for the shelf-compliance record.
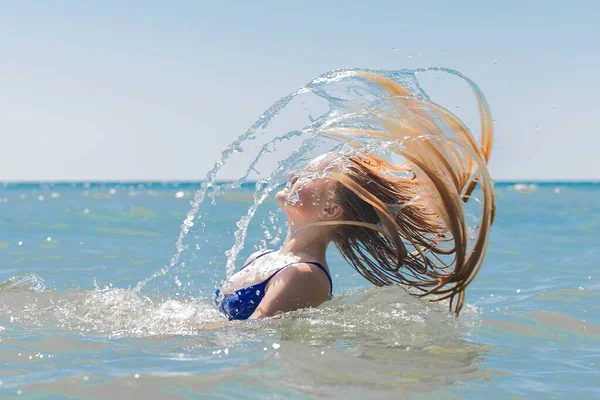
(395, 224)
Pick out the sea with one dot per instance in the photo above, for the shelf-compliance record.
(102, 297)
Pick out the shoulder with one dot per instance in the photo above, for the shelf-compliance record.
(302, 276)
(295, 286)
(257, 254)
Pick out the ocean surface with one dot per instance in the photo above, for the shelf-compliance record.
(90, 306)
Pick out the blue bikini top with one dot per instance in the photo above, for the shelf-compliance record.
(240, 304)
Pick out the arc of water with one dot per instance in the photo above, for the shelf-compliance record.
(209, 180)
(315, 86)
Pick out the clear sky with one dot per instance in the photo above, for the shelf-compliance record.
(154, 90)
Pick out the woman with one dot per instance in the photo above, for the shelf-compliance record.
(393, 223)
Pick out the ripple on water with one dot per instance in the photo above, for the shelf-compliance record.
(372, 341)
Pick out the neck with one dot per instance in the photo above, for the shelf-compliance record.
(309, 242)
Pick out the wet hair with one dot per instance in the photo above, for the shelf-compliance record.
(406, 223)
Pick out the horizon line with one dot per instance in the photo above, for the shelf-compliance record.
(6, 182)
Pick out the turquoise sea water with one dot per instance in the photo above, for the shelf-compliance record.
(75, 322)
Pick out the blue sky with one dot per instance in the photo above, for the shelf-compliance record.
(154, 90)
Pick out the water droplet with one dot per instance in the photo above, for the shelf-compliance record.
(537, 127)
(55, 195)
(19, 392)
(457, 107)
(41, 198)
(179, 194)
(112, 191)
(20, 243)
(393, 48)
(48, 239)
(86, 211)
(518, 290)
(419, 54)
(410, 56)
(136, 376)
(442, 51)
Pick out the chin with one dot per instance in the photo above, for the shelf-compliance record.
(282, 198)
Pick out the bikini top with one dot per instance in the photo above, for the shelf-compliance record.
(240, 304)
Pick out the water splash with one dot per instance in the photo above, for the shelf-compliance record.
(209, 180)
(27, 282)
(117, 313)
(347, 96)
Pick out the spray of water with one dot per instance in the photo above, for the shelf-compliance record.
(347, 98)
(209, 181)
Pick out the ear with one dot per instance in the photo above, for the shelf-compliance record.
(331, 212)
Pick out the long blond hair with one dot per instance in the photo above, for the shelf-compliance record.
(405, 223)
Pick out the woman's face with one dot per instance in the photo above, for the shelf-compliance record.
(308, 191)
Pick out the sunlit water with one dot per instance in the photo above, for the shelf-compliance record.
(106, 293)
(73, 325)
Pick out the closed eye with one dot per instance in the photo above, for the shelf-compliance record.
(293, 177)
